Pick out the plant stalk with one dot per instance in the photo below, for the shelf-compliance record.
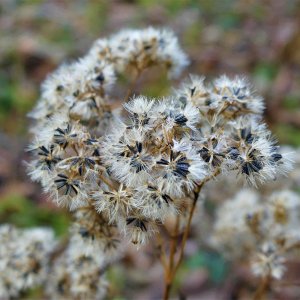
(171, 268)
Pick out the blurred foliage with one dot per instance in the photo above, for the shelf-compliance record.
(214, 263)
(33, 293)
(288, 134)
(265, 71)
(291, 102)
(114, 274)
(22, 212)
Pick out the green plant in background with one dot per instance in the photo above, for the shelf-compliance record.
(214, 263)
(22, 212)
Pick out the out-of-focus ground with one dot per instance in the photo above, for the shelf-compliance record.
(259, 39)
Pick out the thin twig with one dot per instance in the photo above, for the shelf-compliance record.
(171, 269)
(162, 252)
(262, 288)
(187, 230)
(173, 243)
(170, 272)
(75, 149)
(107, 182)
(132, 85)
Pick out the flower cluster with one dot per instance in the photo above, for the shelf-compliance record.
(264, 229)
(128, 171)
(80, 90)
(141, 49)
(149, 163)
(78, 273)
(29, 256)
(24, 258)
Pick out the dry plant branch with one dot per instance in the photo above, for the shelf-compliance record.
(263, 287)
(172, 268)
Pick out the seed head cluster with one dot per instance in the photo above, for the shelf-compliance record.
(123, 170)
(24, 259)
(133, 169)
(262, 229)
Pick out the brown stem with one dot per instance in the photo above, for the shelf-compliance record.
(168, 268)
(107, 181)
(132, 85)
(173, 243)
(161, 251)
(171, 268)
(185, 236)
(167, 289)
(262, 288)
(75, 149)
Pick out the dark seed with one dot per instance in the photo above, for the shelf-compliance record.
(180, 119)
(84, 232)
(276, 157)
(60, 88)
(193, 91)
(100, 77)
(162, 162)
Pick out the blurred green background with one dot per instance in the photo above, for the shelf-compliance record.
(255, 38)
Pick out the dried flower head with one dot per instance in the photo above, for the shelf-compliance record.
(127, 171)
(24, 256)
(262, 228)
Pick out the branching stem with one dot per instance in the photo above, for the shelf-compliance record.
(262, 288)
(172, 267)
